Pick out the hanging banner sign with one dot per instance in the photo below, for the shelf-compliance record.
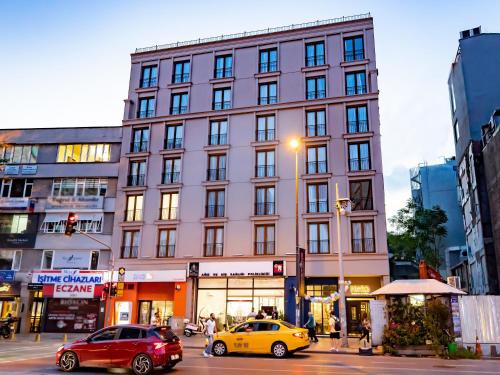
(68, 276)
(70, 290)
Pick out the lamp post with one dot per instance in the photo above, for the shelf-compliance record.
(294, 145)
(341, 205)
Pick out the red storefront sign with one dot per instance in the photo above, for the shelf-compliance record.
(72, 290)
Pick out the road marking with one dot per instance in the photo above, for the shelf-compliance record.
(25, 359)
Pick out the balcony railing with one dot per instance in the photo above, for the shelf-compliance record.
(362, 203)
(362, 164)
(216, 210)
(133, 215)
(129, 251)
(317, 130)
(180, 78)
(172, 143)
(315, 60)
(165, 250)
(316, 94)
(265, 208)
(136, 180)
(213, 249)
(265, 135)
(145, 114)
(169, 213)
(264, 248)
(319, 206)
(216, 174)
(267, 67)
(223, 72)
(363, 245)
(149, 82)
(217, 139)
(264, 100)
(170, 177)
(319, 246)
(358, 54)
(360, 126)
(139, 146)
(222, 105)
(265, 171)
(316, 167)
(178, 110)
(356, 90)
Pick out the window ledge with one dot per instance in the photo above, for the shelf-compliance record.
(317, 215)
(215, 183)
(358, 135)
(179, 85)
(265, 179)
(316, 68)
(167, 222)
(264, 217)
(172, 151)
(274, 142)
(137, 154)
(276, 73)
(146, 89)
(319, 138)
(132, 223)
(216, 147)
(312, 176)
(210, 220)
(369, 172)
(355, 62)
(361, 213)
(135, 188)
(221, 80)
(169, 186)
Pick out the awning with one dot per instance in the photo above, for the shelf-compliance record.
(417, 286)
(91, 216)
(55, 218)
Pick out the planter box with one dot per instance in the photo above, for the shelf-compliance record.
(416, 350)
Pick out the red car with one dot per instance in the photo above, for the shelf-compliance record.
(138, 347)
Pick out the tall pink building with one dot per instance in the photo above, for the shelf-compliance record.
(207, 177)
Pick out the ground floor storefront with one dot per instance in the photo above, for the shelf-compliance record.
(10, 298)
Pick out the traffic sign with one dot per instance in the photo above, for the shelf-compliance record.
(121, 274)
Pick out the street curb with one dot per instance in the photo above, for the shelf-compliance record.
(303, 351)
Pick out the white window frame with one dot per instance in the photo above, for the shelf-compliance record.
(43, 257)
(79, 182)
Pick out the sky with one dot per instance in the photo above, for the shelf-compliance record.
(67, 63)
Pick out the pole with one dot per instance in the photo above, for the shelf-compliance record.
(298, 320)
(342, 310)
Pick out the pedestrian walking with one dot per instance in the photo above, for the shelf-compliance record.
(210, 331)
(334, 327)
(274, 315)
(259, 315)
(365, 328)
(252, 314)
(311, 328)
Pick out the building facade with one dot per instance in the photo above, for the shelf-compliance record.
(207, 178)
(52, 282)
(474, 86)
(436, 185)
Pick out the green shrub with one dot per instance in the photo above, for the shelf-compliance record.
(463, 353)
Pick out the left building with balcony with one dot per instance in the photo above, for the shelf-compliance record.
(45, 174)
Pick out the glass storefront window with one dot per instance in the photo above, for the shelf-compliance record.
(239, 283)
(269, 283)
(161, 311)
(212, 283)
(212, 301)
(237, 293)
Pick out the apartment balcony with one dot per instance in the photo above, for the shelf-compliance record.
(217, 210)
(129, 251)
(223, 72)
(315, 60)
(268, 67)
(169, 213)
(357, 54)
(360, 126)
(316, 94)
(264, 248)
(172, 143)
(363, 245)
(149, 82)
(136, 180)
(178, 110)
(265, 135)
(358, 90)
(170, 178)
(318, 246)
(265, 208)
(213, 249)
(165, 250)
(133, 215)
(146, 114)
(217, 139)
(139, 146)
(318, 130)
(217, 106)
(360, 164)
(264, 100)
(362, 203)
(314, 167)
(218, 174)
(317, 207)
(180, 78)
(265, 171)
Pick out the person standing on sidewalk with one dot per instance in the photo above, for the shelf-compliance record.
(311, 328)
(210, 331)
(334, 326)
(365, 328)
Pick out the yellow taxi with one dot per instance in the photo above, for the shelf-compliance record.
(261, 336)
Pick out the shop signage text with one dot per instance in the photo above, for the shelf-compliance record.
(11, 169)
(68, 276)
(73, 291)
(75, 202)
(71, 259)
(14, 203)
(35, 286)
(360, 289)
(7, 276)
(152, 276)
(29, 169)
(238, 269)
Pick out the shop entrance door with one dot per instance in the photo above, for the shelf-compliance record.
(355, 311)
(237, 311)
(321, 313)
(36, 312)
(144, 312)
(155, 312)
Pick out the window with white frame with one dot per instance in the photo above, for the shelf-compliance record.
(87, 223)
(69, 187)
(13, 224)
(17, 154)
(48, 260)
(16, 188)
(10, 259)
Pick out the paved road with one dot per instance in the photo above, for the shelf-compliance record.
(42, 362)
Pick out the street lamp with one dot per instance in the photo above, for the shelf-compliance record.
(343, 206)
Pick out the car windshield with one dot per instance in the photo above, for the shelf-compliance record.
(288, 325)
(165, 334)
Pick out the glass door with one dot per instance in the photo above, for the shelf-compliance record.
(144, 312)
(36, 312)
(355, 310)
(237, 311)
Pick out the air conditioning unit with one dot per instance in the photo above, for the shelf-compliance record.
(454, 281)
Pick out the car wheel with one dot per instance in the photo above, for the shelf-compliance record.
(279, 350)
(219, 348)
(142, 365)
(187, 333)
(68, 361)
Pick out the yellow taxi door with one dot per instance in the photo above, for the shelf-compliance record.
(240, 339)
(266, 334)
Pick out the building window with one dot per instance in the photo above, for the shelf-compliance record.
(16, 188)
(223, 66)
(173, 138)
(146, 107)
(319, 242)
(218, 133)
(316, 88)
(47, 257)
(13, 224)
(315, 54)
(268, 60)
(84, 153)
(179, 103)
(149, 76)
(181, 72)
(266, 128)
(452, 96)
(216, 168)
(363, 240)
(265, 164)
(359, 156)
(317, 198)
(264, 239)
(214, 242)
(19, 154)
(87, 223)
(265, 200)
(222, 99)
(10, 259)
(456, 131)
(169, 206)
(215, 203)
(355, 83)
(166, 243)
(316, 123)
(140, 140)
(316, 159)
(354, 49)
(357, 119)
(131, 240)
(134, 208)
(361, 195)
(171, 171)
(137, 173)
(268, 93)
(69, 187)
